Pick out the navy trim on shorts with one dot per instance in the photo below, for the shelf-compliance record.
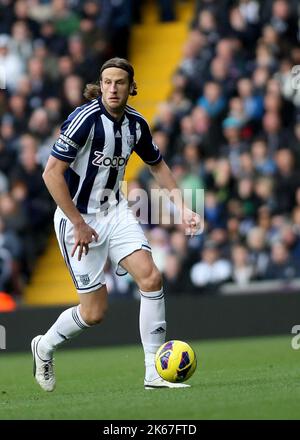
(137, 249)
(62, 231)
(91, 287)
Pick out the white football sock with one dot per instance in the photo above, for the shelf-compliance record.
(69, 324)
(152, 328)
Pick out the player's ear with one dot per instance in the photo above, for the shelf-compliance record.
(100, 84)
(132, 90)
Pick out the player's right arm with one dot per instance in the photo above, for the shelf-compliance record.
(74, 133)
(55, 182)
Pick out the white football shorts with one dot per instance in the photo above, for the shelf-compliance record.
(120, 235)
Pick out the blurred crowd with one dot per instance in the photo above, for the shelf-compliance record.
(48, 50)
(231, 126)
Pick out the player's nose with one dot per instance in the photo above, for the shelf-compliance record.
(113, 88)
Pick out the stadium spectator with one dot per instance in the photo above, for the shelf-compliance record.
(160, 246)
(259, 256)
(212, 270)
(242, 270)
(263, 163)
(252, 104)
(12, 63)
(212, 101)
(10, 242)
(276, 136)
(115, 20)
(284, 21)
(288, 236)
(282, 265)
(5, 267)
(175, 278)
(287, 180)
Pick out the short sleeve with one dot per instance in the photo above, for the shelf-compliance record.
(74, 133)
(145, 147)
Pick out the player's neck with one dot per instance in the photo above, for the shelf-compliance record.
(115, 113)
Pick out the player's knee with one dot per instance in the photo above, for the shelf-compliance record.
(152, 281)
(93, 317)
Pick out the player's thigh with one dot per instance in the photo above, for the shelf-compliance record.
(142, 268)
(139, 264)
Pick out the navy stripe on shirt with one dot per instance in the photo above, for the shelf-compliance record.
(113, 172)
(92, 169)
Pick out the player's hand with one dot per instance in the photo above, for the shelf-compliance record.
(83, 235)
(192, 221)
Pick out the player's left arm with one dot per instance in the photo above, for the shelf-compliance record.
(165, 179)
(150, 154)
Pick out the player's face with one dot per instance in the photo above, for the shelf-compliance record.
(115, 88)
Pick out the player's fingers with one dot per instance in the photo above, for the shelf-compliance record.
(80, 252)
(74, 248)
(95, 234)
(192, 223)
(195, 220)
(83, 247)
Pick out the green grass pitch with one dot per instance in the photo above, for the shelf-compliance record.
(249, 378)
